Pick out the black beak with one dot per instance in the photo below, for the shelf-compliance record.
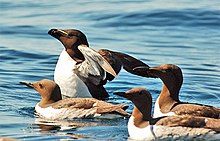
(122, 94)
(141, 68)
(57, 33)
(29, 84)
(146, 71)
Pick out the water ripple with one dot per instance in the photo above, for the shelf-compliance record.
(161, 18)
(185, 33)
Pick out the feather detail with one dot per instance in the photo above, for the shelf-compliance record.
(93, 67)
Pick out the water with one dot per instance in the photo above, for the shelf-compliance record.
(186, 33)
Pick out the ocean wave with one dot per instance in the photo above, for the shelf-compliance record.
(160, 18)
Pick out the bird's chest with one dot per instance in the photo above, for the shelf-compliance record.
(70, 84)
(140, 133)
(157, 111)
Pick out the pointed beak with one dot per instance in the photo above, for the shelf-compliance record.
(142, 68)
(29, 84)
(147, 71)
(57, 33)
(121, 94)
(146, 68)
(156, 69)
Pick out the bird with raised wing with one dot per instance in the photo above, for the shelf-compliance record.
(81, 71)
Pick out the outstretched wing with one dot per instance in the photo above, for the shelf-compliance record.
(93, 66)
(113, 60)
(129, 63)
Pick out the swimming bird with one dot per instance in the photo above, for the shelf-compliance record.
(141, 126)
(53, 107)
(168, 102)
(81, 72)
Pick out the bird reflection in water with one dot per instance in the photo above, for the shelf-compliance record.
(56, 127)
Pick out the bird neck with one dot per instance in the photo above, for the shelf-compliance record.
(50, 98)
(75, 54)
(168, 97)
(171, 90)
(142, 115)
(44, 103)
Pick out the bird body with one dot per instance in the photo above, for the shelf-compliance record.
(71, 84)
(53, 107)
(141, 126)
(71, 108)
(93, 68)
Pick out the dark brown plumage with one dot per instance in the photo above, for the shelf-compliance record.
(142, 100)
(172, 78)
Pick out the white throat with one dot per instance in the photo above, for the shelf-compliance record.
(157, 111)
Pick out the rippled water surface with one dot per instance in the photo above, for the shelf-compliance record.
(185, 33)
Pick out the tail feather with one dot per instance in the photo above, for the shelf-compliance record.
(112, 109)
(213, 124)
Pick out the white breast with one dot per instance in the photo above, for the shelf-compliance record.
(154, 132)
(158, 113)
(70, 84)
(139, 133)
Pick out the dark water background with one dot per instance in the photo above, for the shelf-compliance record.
(185, 33)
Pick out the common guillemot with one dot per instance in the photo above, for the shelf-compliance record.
(141, 126)
(74, 86)
(168, 102)
(53, 107)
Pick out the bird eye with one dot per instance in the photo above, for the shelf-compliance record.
(70, 34)
(168, 70)
(40, 85)
(141, 93)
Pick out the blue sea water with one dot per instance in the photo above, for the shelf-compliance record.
(183, 32)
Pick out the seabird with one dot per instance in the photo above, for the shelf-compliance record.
(168, 102)
(141, 126)
(53, 107)
(90, 77)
